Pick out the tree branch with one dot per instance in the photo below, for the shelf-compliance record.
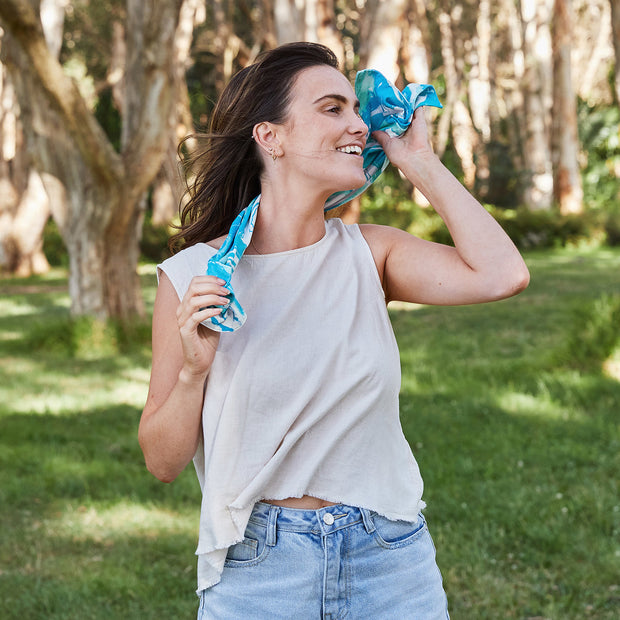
(24, 24)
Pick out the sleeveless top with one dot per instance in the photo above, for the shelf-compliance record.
(303, 399)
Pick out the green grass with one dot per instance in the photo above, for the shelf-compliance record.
(516, 433)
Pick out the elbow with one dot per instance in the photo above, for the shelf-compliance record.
(514, 282)
(162, 475)
(521, 279)
(160, 470)
(155, 465)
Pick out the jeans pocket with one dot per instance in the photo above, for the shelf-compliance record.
(395, 534)
(251, 550)
(243, 551)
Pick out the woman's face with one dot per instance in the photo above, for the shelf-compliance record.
(323, 137)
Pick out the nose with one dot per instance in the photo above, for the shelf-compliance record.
(358, 126)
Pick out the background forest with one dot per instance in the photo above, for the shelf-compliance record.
(511, 408)
(96, 96)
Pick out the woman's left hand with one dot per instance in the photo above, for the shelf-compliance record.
(413, 142)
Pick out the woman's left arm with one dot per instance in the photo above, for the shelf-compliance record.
(483, 266)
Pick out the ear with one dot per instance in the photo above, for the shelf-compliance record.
(265, 134)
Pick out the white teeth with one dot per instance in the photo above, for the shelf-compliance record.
(350, 149)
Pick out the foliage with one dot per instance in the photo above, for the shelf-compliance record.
(599, 134)
(53, 245)
(594, 334)
(154, 241)
(389, 202)
(519, 452)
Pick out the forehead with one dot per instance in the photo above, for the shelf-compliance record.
(315, 82)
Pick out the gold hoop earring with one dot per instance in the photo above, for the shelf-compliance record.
(273, 154)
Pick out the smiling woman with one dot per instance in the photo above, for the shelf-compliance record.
(312, 498)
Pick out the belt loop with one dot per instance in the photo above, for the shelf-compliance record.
(272, 519)
(367, 519)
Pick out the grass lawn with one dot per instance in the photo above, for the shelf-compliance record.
(511, 409)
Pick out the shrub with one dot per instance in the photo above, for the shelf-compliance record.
(593, 334)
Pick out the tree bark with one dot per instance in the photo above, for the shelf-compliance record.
(479, 96)
(104, 189)
(537, 82)
(615, 29)
(382, 35)
(567, 187)
(456, 115)
(295, 20)
(168, 186)
(25, 209)
(416, 51)
(327, 33)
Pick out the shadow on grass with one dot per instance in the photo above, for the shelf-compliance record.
(124, 577)
(85, 530)
(93, 455)
(521, 485)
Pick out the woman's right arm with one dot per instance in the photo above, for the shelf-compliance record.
(183, 352)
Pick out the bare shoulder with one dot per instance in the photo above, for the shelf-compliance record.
(217, 243)
(379, 235)
(381, 240)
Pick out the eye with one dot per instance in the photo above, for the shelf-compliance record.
(335, 109)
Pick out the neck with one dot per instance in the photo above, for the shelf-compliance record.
(287, 219)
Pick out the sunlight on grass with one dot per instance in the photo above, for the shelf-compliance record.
(611, 366)
(17, 307)
(60, 392)
(6, 336)
(120, 521)
(534, 406)
(518, 447)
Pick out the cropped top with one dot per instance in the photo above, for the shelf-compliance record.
(303, 399)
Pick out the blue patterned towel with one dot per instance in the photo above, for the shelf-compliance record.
(382, 106)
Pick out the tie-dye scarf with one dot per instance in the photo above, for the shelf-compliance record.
(382, 106)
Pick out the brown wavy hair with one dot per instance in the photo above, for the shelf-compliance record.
(223, 174)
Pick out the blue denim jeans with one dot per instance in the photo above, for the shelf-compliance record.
(333, 563)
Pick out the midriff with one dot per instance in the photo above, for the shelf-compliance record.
(306, 502)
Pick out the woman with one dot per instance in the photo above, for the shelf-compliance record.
(311, 497)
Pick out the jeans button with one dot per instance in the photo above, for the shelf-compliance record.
(328, 518)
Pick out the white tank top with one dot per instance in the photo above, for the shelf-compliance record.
(303, 399)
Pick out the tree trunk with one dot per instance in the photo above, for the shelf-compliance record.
(26, 207)
(327, 33)
(451, 79)
(479, 96)
(381, 36)
(104, 189)
(416, 51)
(168, 186)
(615, 29)
(295, 20)
(538, 80)
(23, 246)
(567, 177)
(510, 91)
(457, 115)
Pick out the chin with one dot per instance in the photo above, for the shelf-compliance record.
(356, 182)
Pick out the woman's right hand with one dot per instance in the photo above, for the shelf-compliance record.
(205, 298)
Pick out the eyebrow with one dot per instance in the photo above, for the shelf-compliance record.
(337, 97)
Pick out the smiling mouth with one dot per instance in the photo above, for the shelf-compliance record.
(350, 150)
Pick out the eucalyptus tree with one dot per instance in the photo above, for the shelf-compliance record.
(101, 217)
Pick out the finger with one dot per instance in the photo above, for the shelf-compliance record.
(205, 288)
(381, 137)
(198, 303)
(190, 326)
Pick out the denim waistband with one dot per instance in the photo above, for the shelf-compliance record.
(322, 521)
